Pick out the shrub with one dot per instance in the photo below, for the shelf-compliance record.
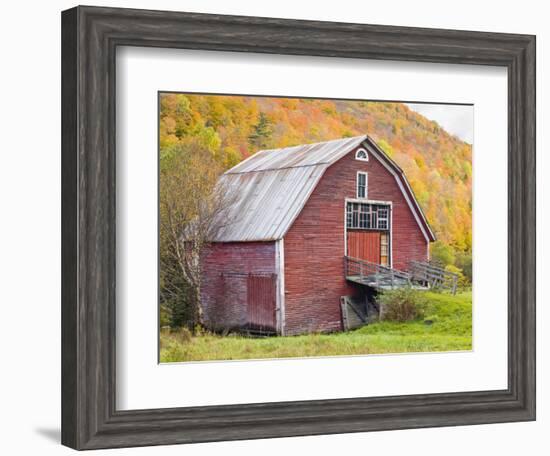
(462, 281)
(464, 262)
(402, 304)
(442, 253)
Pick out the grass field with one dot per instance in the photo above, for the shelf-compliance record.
(451, 330)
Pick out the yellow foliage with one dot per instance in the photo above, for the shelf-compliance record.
(438, 165)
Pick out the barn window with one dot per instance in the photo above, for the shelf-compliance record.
(362, 185)
(365, 216)
(384, 249)
(361, 154)
(383, 219)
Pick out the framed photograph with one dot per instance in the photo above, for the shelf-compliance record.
(278, 228)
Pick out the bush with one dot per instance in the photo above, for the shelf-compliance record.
(464, 262)
(402, 304)
(462, 281)
(442, 253)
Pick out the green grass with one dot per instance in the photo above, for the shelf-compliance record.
(451, 330)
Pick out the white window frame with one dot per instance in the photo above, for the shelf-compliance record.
(386, 219)
(366, 185)
(365, 158)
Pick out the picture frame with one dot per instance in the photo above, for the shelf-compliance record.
(90, 36)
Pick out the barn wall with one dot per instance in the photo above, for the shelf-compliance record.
(224, 280)
(314, 245)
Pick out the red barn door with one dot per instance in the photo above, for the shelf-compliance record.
(261, 298)
(364, 245)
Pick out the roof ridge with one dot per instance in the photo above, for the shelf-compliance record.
(344, 138)
(277, 169)
(312, 154)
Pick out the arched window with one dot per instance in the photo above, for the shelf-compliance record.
(361, 154)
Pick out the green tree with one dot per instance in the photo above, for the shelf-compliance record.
(442, 253)
(464, 262)
(261, 132)
(462, 280)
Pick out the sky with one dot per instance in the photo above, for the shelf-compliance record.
(455, 119)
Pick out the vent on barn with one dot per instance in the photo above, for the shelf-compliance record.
(261, 303)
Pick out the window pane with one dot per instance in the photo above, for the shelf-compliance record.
(361, 185)
(368, 216)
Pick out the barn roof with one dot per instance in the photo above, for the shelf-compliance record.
(274, 185)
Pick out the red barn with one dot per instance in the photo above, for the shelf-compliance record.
(310, 224)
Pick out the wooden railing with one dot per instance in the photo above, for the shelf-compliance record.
(420, 274)
(375, 274)
(433, 276)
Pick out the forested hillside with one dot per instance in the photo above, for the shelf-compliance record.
(437, 164)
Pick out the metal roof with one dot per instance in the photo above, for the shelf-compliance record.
(323, 153)
(272, 186)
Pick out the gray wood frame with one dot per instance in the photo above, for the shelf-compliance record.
(89, 38)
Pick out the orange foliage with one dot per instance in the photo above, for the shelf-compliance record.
(437, 164)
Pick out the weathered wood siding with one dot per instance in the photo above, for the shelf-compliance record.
(261, 302)
(225, 280)
(314, 245)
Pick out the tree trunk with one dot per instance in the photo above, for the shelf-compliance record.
(197, 305)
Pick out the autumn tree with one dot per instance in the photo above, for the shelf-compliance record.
(191, 214)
